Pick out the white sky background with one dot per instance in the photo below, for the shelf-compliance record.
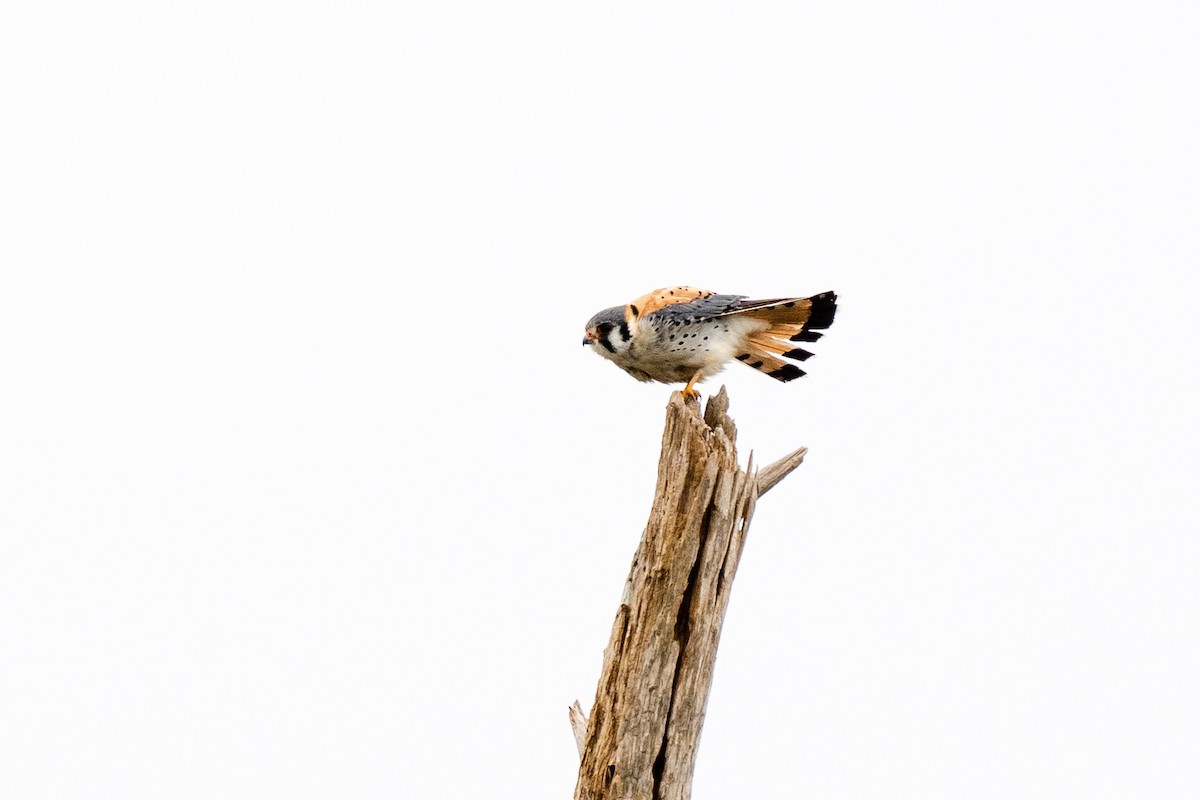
(309, 489)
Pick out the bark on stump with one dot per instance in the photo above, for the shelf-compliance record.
(641, 738)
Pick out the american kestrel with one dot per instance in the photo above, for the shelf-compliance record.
(683, 334)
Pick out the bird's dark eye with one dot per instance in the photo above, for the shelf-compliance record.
(604, 329)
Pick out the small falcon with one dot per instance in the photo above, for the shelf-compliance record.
(683, 334)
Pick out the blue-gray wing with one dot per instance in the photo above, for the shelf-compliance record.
(696, 310)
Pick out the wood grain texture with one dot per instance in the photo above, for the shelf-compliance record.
(578, 722)
(642, 735)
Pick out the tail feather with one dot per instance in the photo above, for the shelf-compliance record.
(775, 340)
(789, 320)
(770, 365)
(810, 313)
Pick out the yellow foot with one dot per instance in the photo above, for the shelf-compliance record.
(688, 391)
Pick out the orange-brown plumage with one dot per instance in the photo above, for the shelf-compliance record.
(681, 333)
(661, 298)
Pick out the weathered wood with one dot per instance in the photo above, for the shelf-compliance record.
(578, 725)
(768, 477)
(644, 729)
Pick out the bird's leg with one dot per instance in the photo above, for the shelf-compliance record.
(688, 391)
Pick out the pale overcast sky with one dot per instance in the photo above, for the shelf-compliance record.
(308, 490)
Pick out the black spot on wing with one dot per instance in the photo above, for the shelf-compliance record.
(798, 354)
(743, 356)
(806, 336)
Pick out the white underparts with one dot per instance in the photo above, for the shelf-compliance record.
(674, 353)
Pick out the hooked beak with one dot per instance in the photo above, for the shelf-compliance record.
(589, 338)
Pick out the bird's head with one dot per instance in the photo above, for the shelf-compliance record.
(608, 332)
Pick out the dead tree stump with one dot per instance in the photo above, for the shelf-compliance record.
(641, 738)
